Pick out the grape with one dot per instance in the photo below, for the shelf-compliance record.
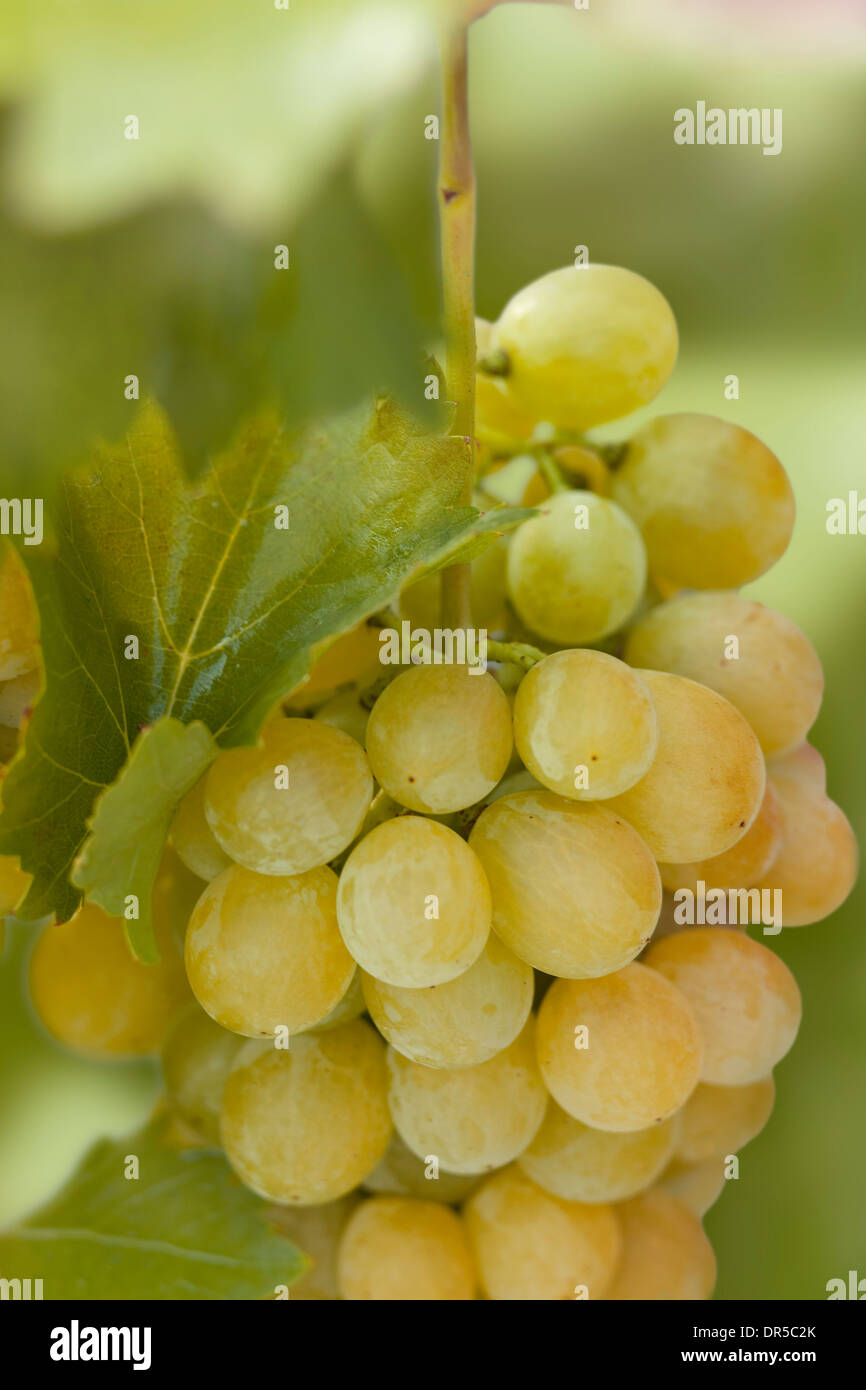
(499, 415)
(347, 1008)
(197, 1056)
(264, 953)
(413, 903)
(420, 601)
(587, 344)
(816, 867)
(293, 802)
(583, 717)
(307, 1124)
(575, 890)
(439, 737)
(94, 996)
(720, 1120)
(706, 783)
(532, 1246)
(402, 1249)
(665, 1254)
(470, 1118)
(641, 1057)
(803, 764)
(713, 504)
(581, 1164)
(745, 998)
(192, 837)
(346, 712)
(775, 679)
(17, 696)
(351, 659)
(696, 1185)
(316, 1231)
(744, 863)
(403, 1174)
(459, 1023)
(19, 622)
(577, 571)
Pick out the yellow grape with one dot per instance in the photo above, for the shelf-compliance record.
(439, 737)
(400, 1249)
(803, 764)
(773, 676)
(413, 903)
(307, 1124)
(582, 1164)
(720, 1120)
(706, 783)
(585, 724)
(192, 837)
(461, 1022)
(349, 1007)
(17, 697)
(469, 1118)
(744, 863)
(665, 1255)
(499, 415)
(714, 504)
(293, 802)
(92, 994)
(265, 953)
(577, 571)
(316, 1231)
(575, 890)
(620, 1053)
(19, 621)
(745, 998)
(352, 658)
(197, 1056)
(532, 1246)
(403, 1174)
(587, 344)
(816, 868)
(696, 1185)
(346, 712)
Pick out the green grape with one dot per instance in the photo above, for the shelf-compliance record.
(714, 505)
(439, 737)
(581, 1164)
(587, 344)
(346, 1009)
(575, 890)
(401, 1249)
(744, 997)
(577, 571)
(816, 867)
(403, 1174)
(459, 1023)
(774, 677)
(584, 724)
(265, 953)
(19, 621)
(720, 1120)
(197, 1056)
(92, 994)
(696, 1185)
(706, 783)
(470, 1118)
(665, 1254)
(292, 803)
(747, 861)
(306, 1124)
(413, 903)
(619, 1053)
(316, 1231)
(499, 415)
(532, 1246)
(346, 712)
(192, 837)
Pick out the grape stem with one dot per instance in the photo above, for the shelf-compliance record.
(514, 653)
(548, 469)
(457, 231)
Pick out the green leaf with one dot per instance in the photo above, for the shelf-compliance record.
(486, 531)
(131, 819)
(184, 1229)
(225, 606)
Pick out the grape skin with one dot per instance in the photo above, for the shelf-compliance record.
(352, 658)
(721, 1120)
(581, 1164)
(741, 866)
(816, 867)
(583, 708)
(665, 1253)
(402, 1249)
(197, 1056)
(193, 839)
(499, 415)
(264, 953)
(643, 1057)
(696, 1185)
(574, 585)
(401, 1173)
(575, 890)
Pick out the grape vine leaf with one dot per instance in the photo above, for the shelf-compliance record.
(185, 1229)
(131, 820)
(223, 603)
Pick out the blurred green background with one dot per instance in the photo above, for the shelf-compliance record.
(761, 259)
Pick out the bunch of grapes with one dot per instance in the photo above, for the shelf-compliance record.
(434, 1000)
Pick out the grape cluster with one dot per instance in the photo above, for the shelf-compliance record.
(435, 1001)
